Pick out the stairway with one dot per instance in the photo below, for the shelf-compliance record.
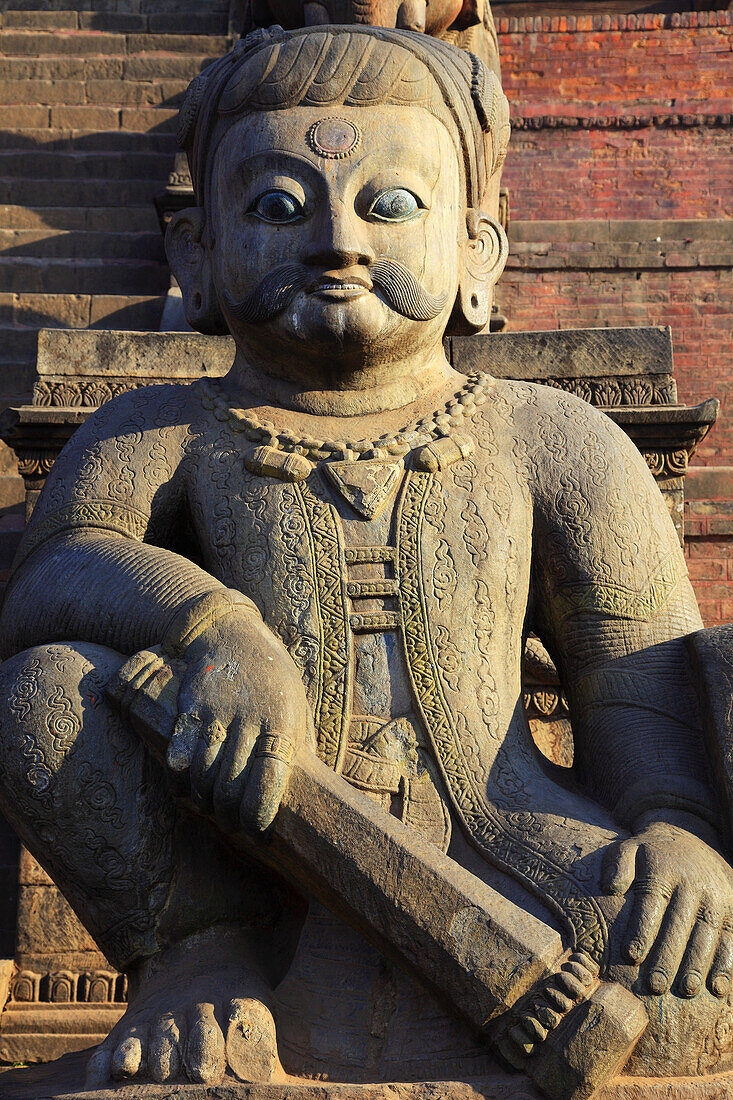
(88, 101)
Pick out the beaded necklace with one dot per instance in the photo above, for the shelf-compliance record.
(437, 425)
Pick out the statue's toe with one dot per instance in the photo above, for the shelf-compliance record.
(251, 1043)
(98, 1067)
(204, 1057)
(127, 1059)
(164, 1058)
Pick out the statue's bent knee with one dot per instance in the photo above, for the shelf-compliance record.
(83, 794)
(50, 697)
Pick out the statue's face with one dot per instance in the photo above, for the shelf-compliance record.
(306, 202)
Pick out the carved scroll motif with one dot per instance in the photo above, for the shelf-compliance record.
(484, 823)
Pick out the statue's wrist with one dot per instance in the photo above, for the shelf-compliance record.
(680, 819)
(190, 622)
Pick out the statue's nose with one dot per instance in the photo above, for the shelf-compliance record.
(340, 240)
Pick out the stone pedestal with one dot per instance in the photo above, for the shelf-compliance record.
(64, 1080)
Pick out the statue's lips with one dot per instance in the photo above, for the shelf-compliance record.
(340, 289)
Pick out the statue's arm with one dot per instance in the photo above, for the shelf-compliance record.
(92, 565)
(614, 604)
(96, 565)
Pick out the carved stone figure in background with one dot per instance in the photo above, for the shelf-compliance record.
(343, 545)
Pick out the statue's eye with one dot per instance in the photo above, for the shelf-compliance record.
(396, 205)
(277, 206)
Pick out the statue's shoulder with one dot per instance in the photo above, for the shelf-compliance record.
(164, 407)
(557, 427)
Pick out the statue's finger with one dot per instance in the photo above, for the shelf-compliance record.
(619, 868)
(233, 775)
(267, 781)
(182, 745)
(651, 899)
(411, 15)
(720, 971)
(700, 952)
(666, 959)
(205, 764)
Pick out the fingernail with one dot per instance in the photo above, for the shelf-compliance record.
(720, 985)
(635, 950)
(179, 754)
(690, 984)
(658, 982)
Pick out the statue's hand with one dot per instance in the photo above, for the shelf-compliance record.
(242, 712)
(682, 916)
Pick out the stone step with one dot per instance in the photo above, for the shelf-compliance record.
(80, 192)
(212, 21)
(147, 67)
(61, 165)
(90, 276)
(16, 380)
(12, 493)
(28, 9)
(18, 343)
(87, 141)
(56, 244)
(29, 312)
(95, 93)
(14, 43)
(86, 117)
(91, 219)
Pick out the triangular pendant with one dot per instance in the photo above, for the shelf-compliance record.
(366, 484)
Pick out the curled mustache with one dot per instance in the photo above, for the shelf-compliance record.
(401, 290)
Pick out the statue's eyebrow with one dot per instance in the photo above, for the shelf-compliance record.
(249, 160)
(415, 162)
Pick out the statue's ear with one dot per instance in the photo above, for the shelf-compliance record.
(485, 253)
(190, 262)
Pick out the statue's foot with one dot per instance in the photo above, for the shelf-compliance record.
(197, 1013)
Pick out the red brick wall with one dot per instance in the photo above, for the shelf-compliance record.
(627, 117)
(621, 118)
(697, 303)
(648, 172)
(623, 65)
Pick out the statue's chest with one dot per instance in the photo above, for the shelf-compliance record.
(358, 548)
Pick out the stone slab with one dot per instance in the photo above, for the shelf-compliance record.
(63, 1080)
(567, 353)
(148, 355)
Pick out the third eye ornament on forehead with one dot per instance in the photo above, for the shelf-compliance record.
(333, 138)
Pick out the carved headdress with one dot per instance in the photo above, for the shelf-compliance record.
(351, 66)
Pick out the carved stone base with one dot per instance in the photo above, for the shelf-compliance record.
(64, 1080)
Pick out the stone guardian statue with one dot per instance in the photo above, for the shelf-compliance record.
(342, 546)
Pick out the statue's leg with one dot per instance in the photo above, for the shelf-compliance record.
(161, 896)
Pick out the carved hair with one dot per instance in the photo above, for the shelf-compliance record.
(351, 66)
